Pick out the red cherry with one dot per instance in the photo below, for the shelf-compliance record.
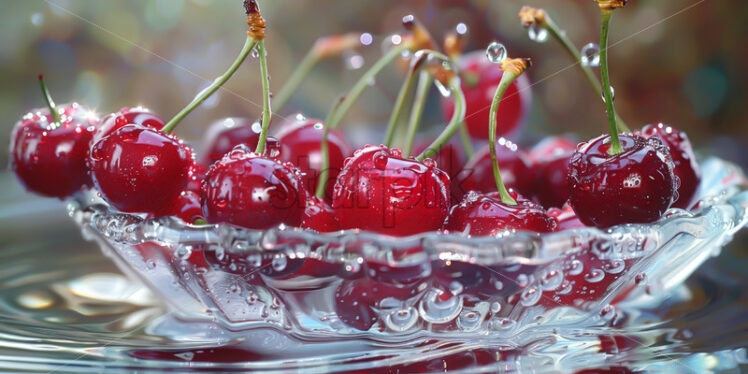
(253, 191)
(450, 158)
(634, 186)
(551, 147)
(225, 134)
(356, 301)
(139, 169)
(52, 161)
(686, 167)
(187, 206)
(549, 185)
(319, 216)
(480, 78)
(127, 116)
(477, 175)
(300, 144)
(379, 190)
(485, 214)
(565, 217)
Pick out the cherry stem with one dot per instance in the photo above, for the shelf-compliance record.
(50, 103)
(615, 144)
(506, 79)
(249, 44)
(419, 102)
(324, 171)
(466, 142)
(306, 65)
(363, 82)
(458, 116)
(402, 96)
(569, 46)
(266, 111)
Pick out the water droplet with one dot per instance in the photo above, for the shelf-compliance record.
(279, 262)
(254, 260)
(469, 320)
(455, 288)
(495, 307)
(530, 296)
(594, 276)
(401, 320)
(608, 312)
(461, 28)
(576, 267)
(612, 94)
(380, 160)
(352, 60)
(502, 324)
(615, 267)
(254, 53)
(150, 264)
(149, 161)
(522, 280)
(496, 52)
(183, 252)
(433, 308)
(590, 55)
(366, 38)
(537, 33)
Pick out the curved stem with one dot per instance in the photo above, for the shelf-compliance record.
(204, 94)
(419, 102)
(615, 144)
(266, 112)
(506, 80)
(363, 82)
(573, 51)
(324, 173)
(399, 104)
(294, 81)
(50, 103)
(466, 143)
(457, 117)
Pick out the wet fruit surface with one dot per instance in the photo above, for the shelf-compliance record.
(634, 186)
(139, 169)
(319, 216)
(49, 160)
(379, 190)
(485, 214)
(129, 116)
(477, 175)
(249, 190)
(225, 134)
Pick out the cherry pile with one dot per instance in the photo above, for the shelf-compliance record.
(306, 174)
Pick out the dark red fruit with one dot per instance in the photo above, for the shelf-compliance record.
(225, 134)
(634, 186)
(477, 175)
(450, 158)
(300, 144)
(52, 161)
(550, 180)
(480, 78)
(188, 207)
(379, 190)
(686, 167)
(319, 216)
(249, 190)
(565, 217)
(356, 300)
(128, 116)
(139, 169)
(551, 147)
(485, 214)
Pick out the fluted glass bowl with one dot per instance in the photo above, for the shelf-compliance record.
(446, 286)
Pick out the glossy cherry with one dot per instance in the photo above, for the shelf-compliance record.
(128, 116)
(551, 147)
(253, 191)
(477, 175)
(485, 214)
(188, 205)
(565, 217)
(634, 186)
(225, 134)
(379, 190)
(319, 216)
(300, 140)
(549, 184)
(480, 78)
(686, 166)
(141, 170)
(450, 157)
(50, 160)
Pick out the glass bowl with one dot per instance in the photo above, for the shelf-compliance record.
(349, 284)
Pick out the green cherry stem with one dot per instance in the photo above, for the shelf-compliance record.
(50, 103)
(324, 173)
(266, 111)
(306, 65)
(573, 51)
(249, 44)
(466, 143)
(615, 144)
(397, 109)
(457, 117)
(506, 79)
(363, 82)
(419, 102)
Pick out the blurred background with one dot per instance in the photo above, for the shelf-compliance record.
(680, 62)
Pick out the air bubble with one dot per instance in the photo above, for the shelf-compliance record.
(496, 52)
(590, 55)
(279, 262)
(537, 33)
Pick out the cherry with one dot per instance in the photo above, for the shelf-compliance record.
(551, 147)
(300, 144)
(188, 207)
(479, 81)
(565, 217)
(225, 134)
(686, 166)
(139, 169)
(356, 301)
(319, 216)
(549, 184)
(253, 191)
(634, 186)
(485, 214)
(477, 174)
(449, 158)
(379, 190)
(50, 159)
(127, 116)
